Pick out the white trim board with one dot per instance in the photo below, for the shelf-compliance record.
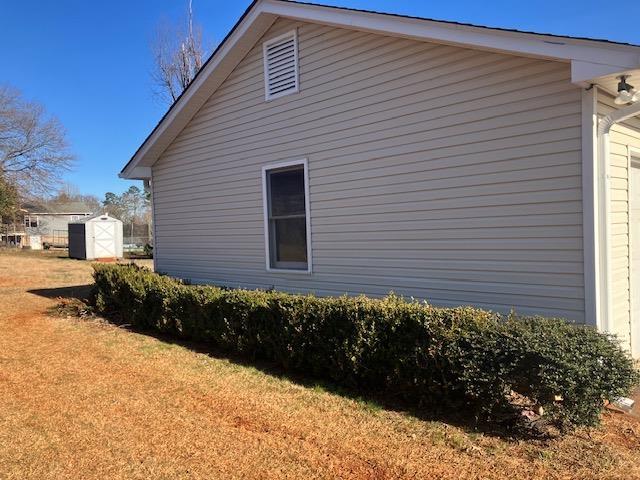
(590, 59)
(521, 43)
(217, 68)
(589, 204)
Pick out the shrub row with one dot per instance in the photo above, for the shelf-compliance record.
(470, 358)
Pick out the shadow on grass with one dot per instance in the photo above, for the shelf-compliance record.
(80, 292)
(371, 400)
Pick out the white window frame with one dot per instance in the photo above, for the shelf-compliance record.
(265, 45)
(28, 218)
(265, 208)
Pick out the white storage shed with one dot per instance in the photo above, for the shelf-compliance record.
(95, 237)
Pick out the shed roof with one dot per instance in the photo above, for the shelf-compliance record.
(94, 217)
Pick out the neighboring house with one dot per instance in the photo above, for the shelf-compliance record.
(51, 222)
(12, 233)
(330, 150)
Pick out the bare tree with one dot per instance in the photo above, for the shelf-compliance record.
(34, 152)
(132, 207)
(69, 193)
(178, 55)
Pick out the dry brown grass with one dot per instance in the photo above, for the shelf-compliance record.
(85, 399)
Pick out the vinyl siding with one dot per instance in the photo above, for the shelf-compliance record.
(50, 224)
(621, 137)
(435, 171)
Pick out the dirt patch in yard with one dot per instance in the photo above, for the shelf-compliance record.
(86, 399)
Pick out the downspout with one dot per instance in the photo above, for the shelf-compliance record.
(606, 278)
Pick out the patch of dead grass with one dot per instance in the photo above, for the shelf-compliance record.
(86, 399)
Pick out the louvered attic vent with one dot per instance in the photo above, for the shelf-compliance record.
(281, 65)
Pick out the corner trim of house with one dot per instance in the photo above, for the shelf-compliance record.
(589, 204)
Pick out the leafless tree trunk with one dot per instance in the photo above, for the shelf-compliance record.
(178, 55)
(34, 152)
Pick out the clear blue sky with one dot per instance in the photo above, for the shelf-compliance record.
(89, 62)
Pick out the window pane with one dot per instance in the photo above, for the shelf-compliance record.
(290, 239)
(287, 192)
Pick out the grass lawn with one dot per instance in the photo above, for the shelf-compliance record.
(86, 399)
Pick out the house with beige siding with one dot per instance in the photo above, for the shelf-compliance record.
(333, 151)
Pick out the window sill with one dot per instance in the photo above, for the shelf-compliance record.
(289, 270)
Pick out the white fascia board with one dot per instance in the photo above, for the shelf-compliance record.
(264, 12)
(585, 73)
(517, 43)
(138, 172)
(215, 71)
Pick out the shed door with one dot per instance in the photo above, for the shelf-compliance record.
(634, 230)
(104, 239)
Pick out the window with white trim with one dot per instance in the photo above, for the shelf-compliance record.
(286, 217)
(281, 65)
(31, 221)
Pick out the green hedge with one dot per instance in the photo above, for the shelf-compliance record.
(423, 355)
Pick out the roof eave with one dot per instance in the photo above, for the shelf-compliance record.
(249, 28)
(549, 46)
(585, 56)
(58, 213)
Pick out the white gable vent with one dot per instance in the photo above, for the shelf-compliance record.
(281, 65)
